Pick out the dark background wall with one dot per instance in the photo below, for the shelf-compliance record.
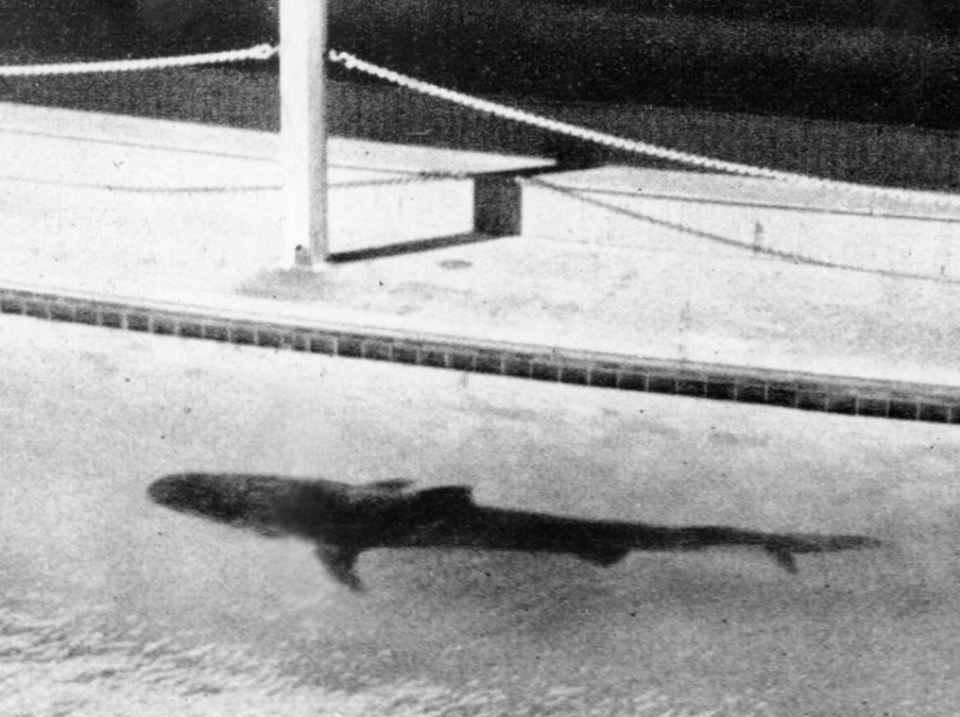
(133, 26)
(895, 15)
(893, 61)
(909, 16)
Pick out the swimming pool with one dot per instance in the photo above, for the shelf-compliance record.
(112, 605)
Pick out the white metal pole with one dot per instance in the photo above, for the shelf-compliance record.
(303, 135)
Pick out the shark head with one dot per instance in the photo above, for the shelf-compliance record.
(243, 501)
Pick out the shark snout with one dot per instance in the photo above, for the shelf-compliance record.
(242, 500)
(205, 494)
(179, 489)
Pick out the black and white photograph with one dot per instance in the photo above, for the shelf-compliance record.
(479, 358)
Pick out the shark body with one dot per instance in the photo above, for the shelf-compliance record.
(345, 520)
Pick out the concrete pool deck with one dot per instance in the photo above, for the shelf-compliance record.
(176, 228)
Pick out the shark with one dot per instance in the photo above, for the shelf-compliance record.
(343, 520)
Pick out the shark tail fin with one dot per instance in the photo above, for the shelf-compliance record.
(340, 563)
(783, 548)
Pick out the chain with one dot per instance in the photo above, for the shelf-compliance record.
(257, 52)
(407, 178)
(732, 242)
(628, 145)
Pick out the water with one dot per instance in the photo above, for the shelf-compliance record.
(114, 606)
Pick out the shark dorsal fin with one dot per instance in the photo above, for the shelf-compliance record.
(446, 496)
(393, 486)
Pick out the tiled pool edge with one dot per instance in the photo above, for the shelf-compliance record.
(803, 391)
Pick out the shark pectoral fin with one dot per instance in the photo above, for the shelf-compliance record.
(340, 562)
(783, 557)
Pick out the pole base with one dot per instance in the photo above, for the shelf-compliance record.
(302, 258)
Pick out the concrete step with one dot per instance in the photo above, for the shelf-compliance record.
(124, 179)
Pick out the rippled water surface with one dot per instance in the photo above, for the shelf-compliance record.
(114, 606)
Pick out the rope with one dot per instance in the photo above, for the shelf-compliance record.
(628, 145)
(257, 52)
(352, 62)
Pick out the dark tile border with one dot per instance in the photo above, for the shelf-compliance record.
(378, 351)
(828, 394)
(406, 353)
(487, 361)
(324, 344)
(435, 356)
(519, 365)
(752, 393)
(137, 321)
